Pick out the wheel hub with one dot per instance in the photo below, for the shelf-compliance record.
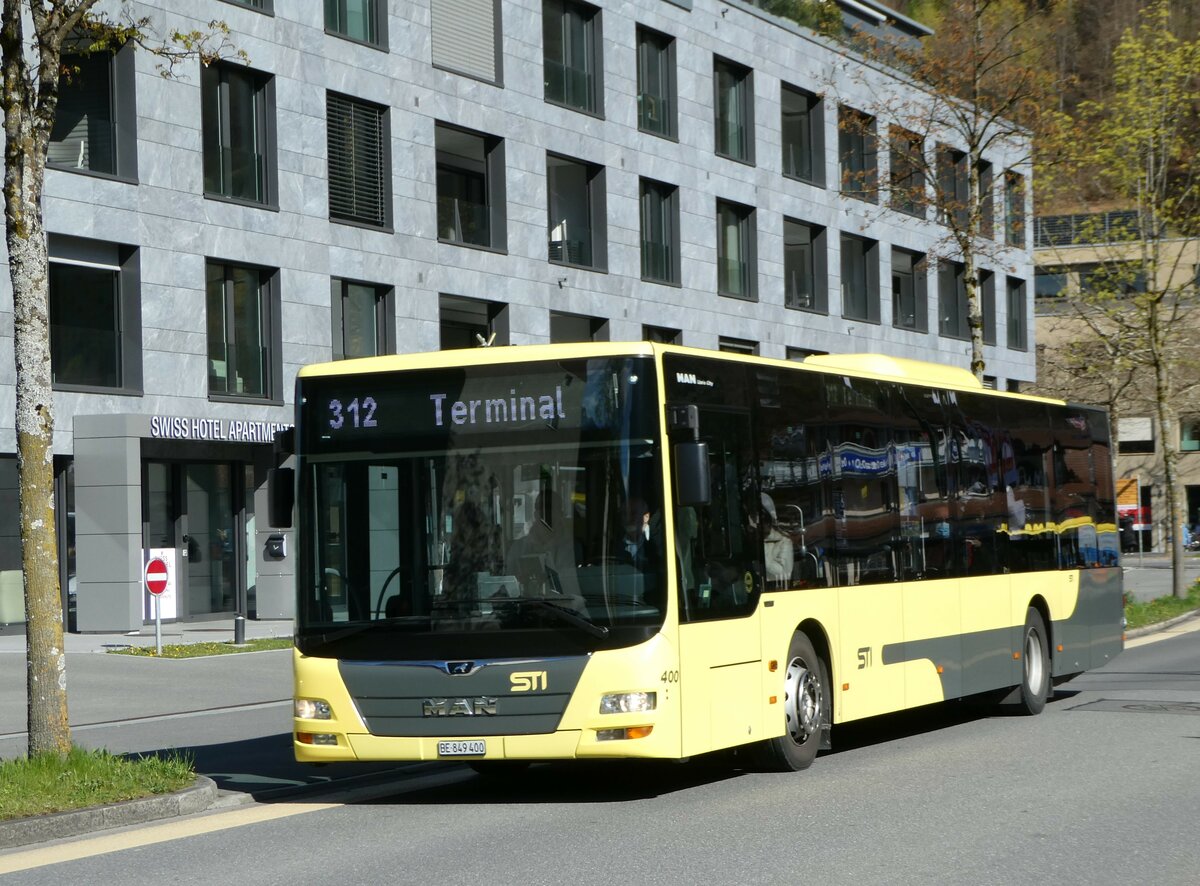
(802, 701)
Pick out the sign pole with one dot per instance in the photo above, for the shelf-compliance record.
(158, 625)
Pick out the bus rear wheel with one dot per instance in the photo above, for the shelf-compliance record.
(805, 710)
(1035, 670)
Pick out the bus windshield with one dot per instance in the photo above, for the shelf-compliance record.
(480, 511)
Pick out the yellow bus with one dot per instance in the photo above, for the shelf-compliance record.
(616, 550)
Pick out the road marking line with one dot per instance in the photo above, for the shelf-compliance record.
(149, 836)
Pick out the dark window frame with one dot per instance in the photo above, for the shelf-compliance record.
(987, 305)
(122, 112)
(666, 221)
(128, 310)
(747, 243)
(918, 272)
(377, 16)
(264, 123)
(953, 306)
(591, 100)
(810, 125)
(491, 176)
(385, 316)
(743, 85)
(858, 154)
(1017, 300)
(870, 278)
(596, 199)
(495, 329)
(906, 176)
(664, 104)
(354, 107)
(270, 321)
(1014, 209)
(818, 300)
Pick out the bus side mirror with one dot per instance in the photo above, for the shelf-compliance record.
(692, 482)
(281, 496)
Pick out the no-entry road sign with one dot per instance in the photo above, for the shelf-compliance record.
(156, 576)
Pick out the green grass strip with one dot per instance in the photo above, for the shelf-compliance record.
(196, 650)
(48, 783)
(1160, 609)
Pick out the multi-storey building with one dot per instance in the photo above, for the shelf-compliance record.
(1101, 252)
(402, 176)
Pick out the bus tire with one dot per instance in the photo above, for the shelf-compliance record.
(1035, 665)
(805, 709)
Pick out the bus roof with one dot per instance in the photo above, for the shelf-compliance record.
(866, 365)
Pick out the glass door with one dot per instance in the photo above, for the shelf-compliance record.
(213, 539)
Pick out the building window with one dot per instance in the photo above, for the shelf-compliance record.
(734, 106)
(243, 331)
(987, 305)
(987, 222)
(860, 279)
(362, 20)
(953, 182)
(1014, 209)
(735, 250)
(1112, 279)
(802, 132)
(260, 5)
(952, 300)
(359, 161)
(660, 232)
(1050, 283)
(737, 345)
(572, 46)
(95, 315)
(662, 334)
(576, 327)
(238, 119)
(910, 291)
(656, 96)
(576, 214)
(463, 36)
(1017, 339)
(470, 188)
(364, 319)
(1135, 435)
(1189, 435)
(471, 323)
(95, 122)
(804, 267)
(906, 172)
(857, 154)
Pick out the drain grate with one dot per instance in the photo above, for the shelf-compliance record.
(1140, 706)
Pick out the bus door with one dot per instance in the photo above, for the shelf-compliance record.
(719, 559)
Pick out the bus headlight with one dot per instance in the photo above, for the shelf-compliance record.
(312, 709)
(628, 702)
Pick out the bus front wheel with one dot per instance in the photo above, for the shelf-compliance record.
(1035, 670)
(805, 709)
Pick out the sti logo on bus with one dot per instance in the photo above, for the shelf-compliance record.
(459, 707)
(527, 681)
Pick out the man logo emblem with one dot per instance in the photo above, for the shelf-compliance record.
(459, 668)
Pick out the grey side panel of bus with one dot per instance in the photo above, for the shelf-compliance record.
(1092, 634)
(392, 696)
(971, 663)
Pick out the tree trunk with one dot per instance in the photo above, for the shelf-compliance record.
(46, 676)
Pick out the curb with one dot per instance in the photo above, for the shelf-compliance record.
(54, 826)
(1162, 625)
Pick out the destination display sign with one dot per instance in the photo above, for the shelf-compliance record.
(573, 396)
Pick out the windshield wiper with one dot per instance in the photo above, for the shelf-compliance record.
(562, 614)
(357, 629)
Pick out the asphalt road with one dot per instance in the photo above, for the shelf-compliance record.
(1102, 788)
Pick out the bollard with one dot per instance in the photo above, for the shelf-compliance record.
(239, 629)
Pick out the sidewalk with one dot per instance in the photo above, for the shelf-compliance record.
(215, 631)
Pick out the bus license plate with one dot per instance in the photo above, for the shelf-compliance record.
(462, 748)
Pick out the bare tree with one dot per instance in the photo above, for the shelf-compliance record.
(32, 62)
(979, 88)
